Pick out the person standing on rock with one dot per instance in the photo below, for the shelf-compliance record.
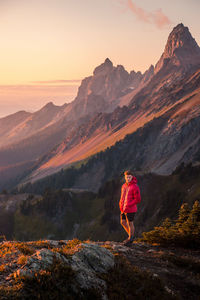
(130, 197)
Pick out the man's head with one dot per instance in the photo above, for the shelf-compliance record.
(128, 176)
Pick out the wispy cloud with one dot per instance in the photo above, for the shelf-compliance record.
(157, 17)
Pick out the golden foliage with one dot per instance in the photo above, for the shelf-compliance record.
(70, 248)
(2, 268)
(22, 260)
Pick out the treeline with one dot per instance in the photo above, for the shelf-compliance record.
(52, 214)
(56, 212)
(51, 203)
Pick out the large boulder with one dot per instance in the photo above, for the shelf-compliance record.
(88, 261)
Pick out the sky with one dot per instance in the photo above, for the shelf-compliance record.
(49, 46)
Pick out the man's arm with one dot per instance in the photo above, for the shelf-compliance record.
(121, 201)
(137, 196)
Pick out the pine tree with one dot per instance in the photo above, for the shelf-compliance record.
(185, 232)
(183, 215)
(192, 224)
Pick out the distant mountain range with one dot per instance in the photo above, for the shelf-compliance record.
(159, 110)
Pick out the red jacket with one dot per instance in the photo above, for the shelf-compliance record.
(130, 197)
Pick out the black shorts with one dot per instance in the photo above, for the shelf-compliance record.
(129, 216)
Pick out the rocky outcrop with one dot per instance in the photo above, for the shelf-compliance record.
(100, 267)
(88, 261)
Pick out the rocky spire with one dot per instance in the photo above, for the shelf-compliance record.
(181, 48)
(104, 68)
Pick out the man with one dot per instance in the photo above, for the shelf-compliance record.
(130, 197)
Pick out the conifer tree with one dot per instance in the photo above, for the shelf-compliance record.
(183, 215)
(192, 225)
(185, 232)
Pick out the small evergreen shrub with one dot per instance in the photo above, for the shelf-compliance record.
(185, 231)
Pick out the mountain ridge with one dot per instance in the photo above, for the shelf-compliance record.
(103, 123)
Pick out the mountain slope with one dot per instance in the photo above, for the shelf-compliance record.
(159, 146)
(172, 86)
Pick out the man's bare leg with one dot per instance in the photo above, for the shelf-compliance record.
(131, 228)
(125, 225)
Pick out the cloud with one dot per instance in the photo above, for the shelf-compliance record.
(157, 17)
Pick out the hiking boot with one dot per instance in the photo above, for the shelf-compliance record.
(125, 241)
(128, 242)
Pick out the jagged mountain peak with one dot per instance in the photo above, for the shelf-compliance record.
(108, 82)
(181, 48)
(149, 71)
(108, 61)
(120, 67)
(49, 104)
(48, 107)
(148, 74)
(180, 37)
(104, 67)
(180, 28)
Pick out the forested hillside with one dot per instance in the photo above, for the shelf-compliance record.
(63, 213)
